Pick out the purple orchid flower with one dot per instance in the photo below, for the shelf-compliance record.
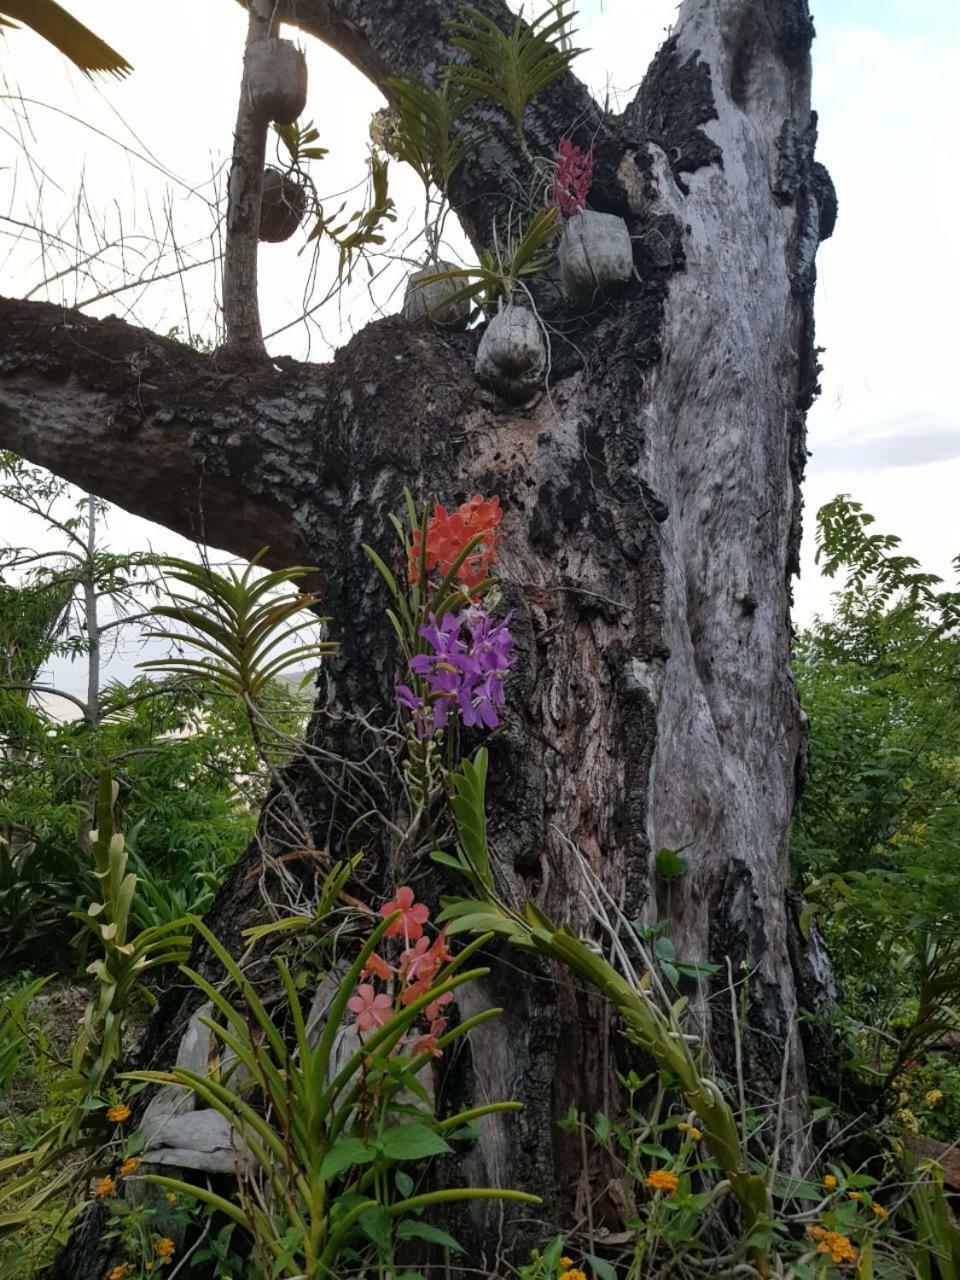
(468, 675)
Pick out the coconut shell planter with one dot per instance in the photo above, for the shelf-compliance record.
(512, 356)
(434, 301)
(277, 80)
(596, 255)
(282, 205)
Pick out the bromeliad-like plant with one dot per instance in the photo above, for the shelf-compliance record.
(331, 1146)
(527, 251)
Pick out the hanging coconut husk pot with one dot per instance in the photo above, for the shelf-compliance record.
(596, 255)
(282, 205)
(277, 80)
(512, 356)
(433, 301)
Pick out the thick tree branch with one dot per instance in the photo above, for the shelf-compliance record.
(232, 455)
(211, 451)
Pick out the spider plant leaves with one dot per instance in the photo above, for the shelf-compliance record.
(59, 28)
(510, 67)
(247, 630)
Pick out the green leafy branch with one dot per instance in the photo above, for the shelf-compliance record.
(509, 68)
(363, 228)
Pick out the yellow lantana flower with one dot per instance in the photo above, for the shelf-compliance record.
(830, 1182)
(164, 1249)
(932, 1097)
(880, 1212)
(662, 1180)
(833, 1244)
(119, 1113)
(130, 1165)
(105, 1187)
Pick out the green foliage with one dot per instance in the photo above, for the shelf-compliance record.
(426, 135)
(332, 1153)
(524, 255)
(298, 141)
(75, 41)
(509, 68)
(248, 629)
(14, 1030)
(127, 956)
(876, 835)
(937, 1234)
(364, 227)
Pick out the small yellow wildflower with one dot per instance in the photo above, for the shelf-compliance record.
(880, 1212)
(903, 1099)
(105, 1187)
(855, 1195)
(119, 1113)
(908, 1120)
(130, 1165)
(164, 1249)
(573, 1273)
(830, 1182)
(171, 1196)
(566, 1262)
(831, 1243)
(694, 1134)
(662, 1180)
(683, 1126)
(932, 1097)
(119, 1272)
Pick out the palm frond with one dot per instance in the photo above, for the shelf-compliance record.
(64, 32)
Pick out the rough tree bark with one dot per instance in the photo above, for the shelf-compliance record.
(652, 526)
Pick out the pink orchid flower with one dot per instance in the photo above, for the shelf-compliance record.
(414, 917)
(372, 1010)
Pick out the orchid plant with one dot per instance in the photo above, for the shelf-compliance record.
(335, 1136)
(457, 654)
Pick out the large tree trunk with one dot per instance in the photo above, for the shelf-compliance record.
(652, 525)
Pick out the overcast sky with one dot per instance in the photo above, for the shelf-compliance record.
(116, 167)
